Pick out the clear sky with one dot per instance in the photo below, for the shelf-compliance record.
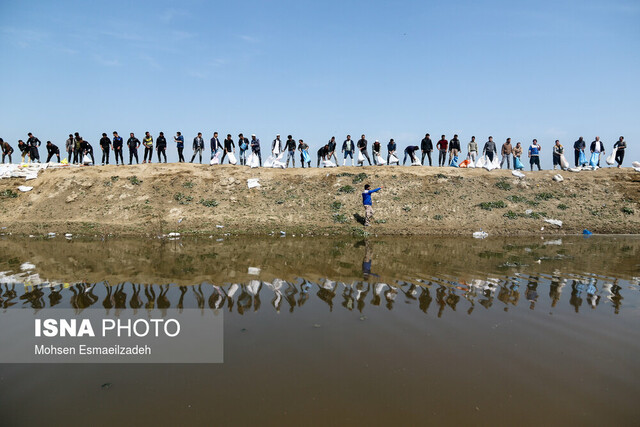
(390, 69)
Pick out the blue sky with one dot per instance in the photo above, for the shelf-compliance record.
(541, 69)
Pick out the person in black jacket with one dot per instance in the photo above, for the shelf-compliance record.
(578, 146)
(621, 145)
(24, 150)
(133, 143)
(229, 147)
(52, 150)
(332, 150)
(105, 146)
(117, 147)
(7, 150)
(426, 145)
(362, 146)
(322, 154)
(87, 149)
(290, 146)
(215, 145)
(161, 147)
(33, 144)
(597, 147)
(198, 147)
(454, 148)
(347, 150)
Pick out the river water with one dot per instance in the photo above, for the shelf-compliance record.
(343, 331)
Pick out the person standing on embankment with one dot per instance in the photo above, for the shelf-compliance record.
(366, 202)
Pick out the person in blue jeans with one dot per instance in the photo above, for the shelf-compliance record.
(348, 147)
(391, 149)
(255, 147)
(243, 145)
(366, 202)
(179, 139)
(290, 146)
(410, 152)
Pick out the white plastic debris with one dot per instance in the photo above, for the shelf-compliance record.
(480, 234)
(180, 220)
(27, 266)
(553, 242)
(68, 235)
(635, 164)
(578, 169)
(219, 226)
(558, 178)
(554, 222)
(517, 174)
(253, 271)
(636, 169)
(24, 188)
(173, 235)
(528, 211)
(253, 182)
(51, 234)
(282, 233)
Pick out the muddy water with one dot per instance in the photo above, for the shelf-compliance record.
(342, 331)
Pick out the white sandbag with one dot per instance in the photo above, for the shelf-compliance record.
(216, 159)
(563, 162)
(232, 158)
(380, 160)
(416, 162)
(558, 178)
(496, 162)
(481, 162)
(86, 160)
(269, 162)
(636, 169)
(554, 222)
(360, 157)
(578, 169)
(517, 174)
(471, 164)
(279, 161)
(24, 188)
(480, 234)
(253, 182)
(611, 158)
(394, 159)
(253, 161)
(635, 164)
(328, 164)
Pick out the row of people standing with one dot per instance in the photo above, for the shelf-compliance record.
(79, 150)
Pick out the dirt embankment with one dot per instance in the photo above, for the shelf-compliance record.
(161, 198)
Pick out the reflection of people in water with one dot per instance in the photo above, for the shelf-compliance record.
(576, 294)
(532, 292)
(135, 302)
(555, 290)
(107, 302)
(366, 262)
(425, 299)
(35, 297)
(327, 292)
(216, 300)
(304, 292)
(9, 295)
(54, 295)
(614, 295)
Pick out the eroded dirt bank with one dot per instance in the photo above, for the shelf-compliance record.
(157, 199)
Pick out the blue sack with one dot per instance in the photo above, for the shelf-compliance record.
(305, 155)
(454, 162)
(518, 164)
(582, 159)
(593, 161)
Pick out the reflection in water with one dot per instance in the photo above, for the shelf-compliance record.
(244, 298)
(451, 294)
